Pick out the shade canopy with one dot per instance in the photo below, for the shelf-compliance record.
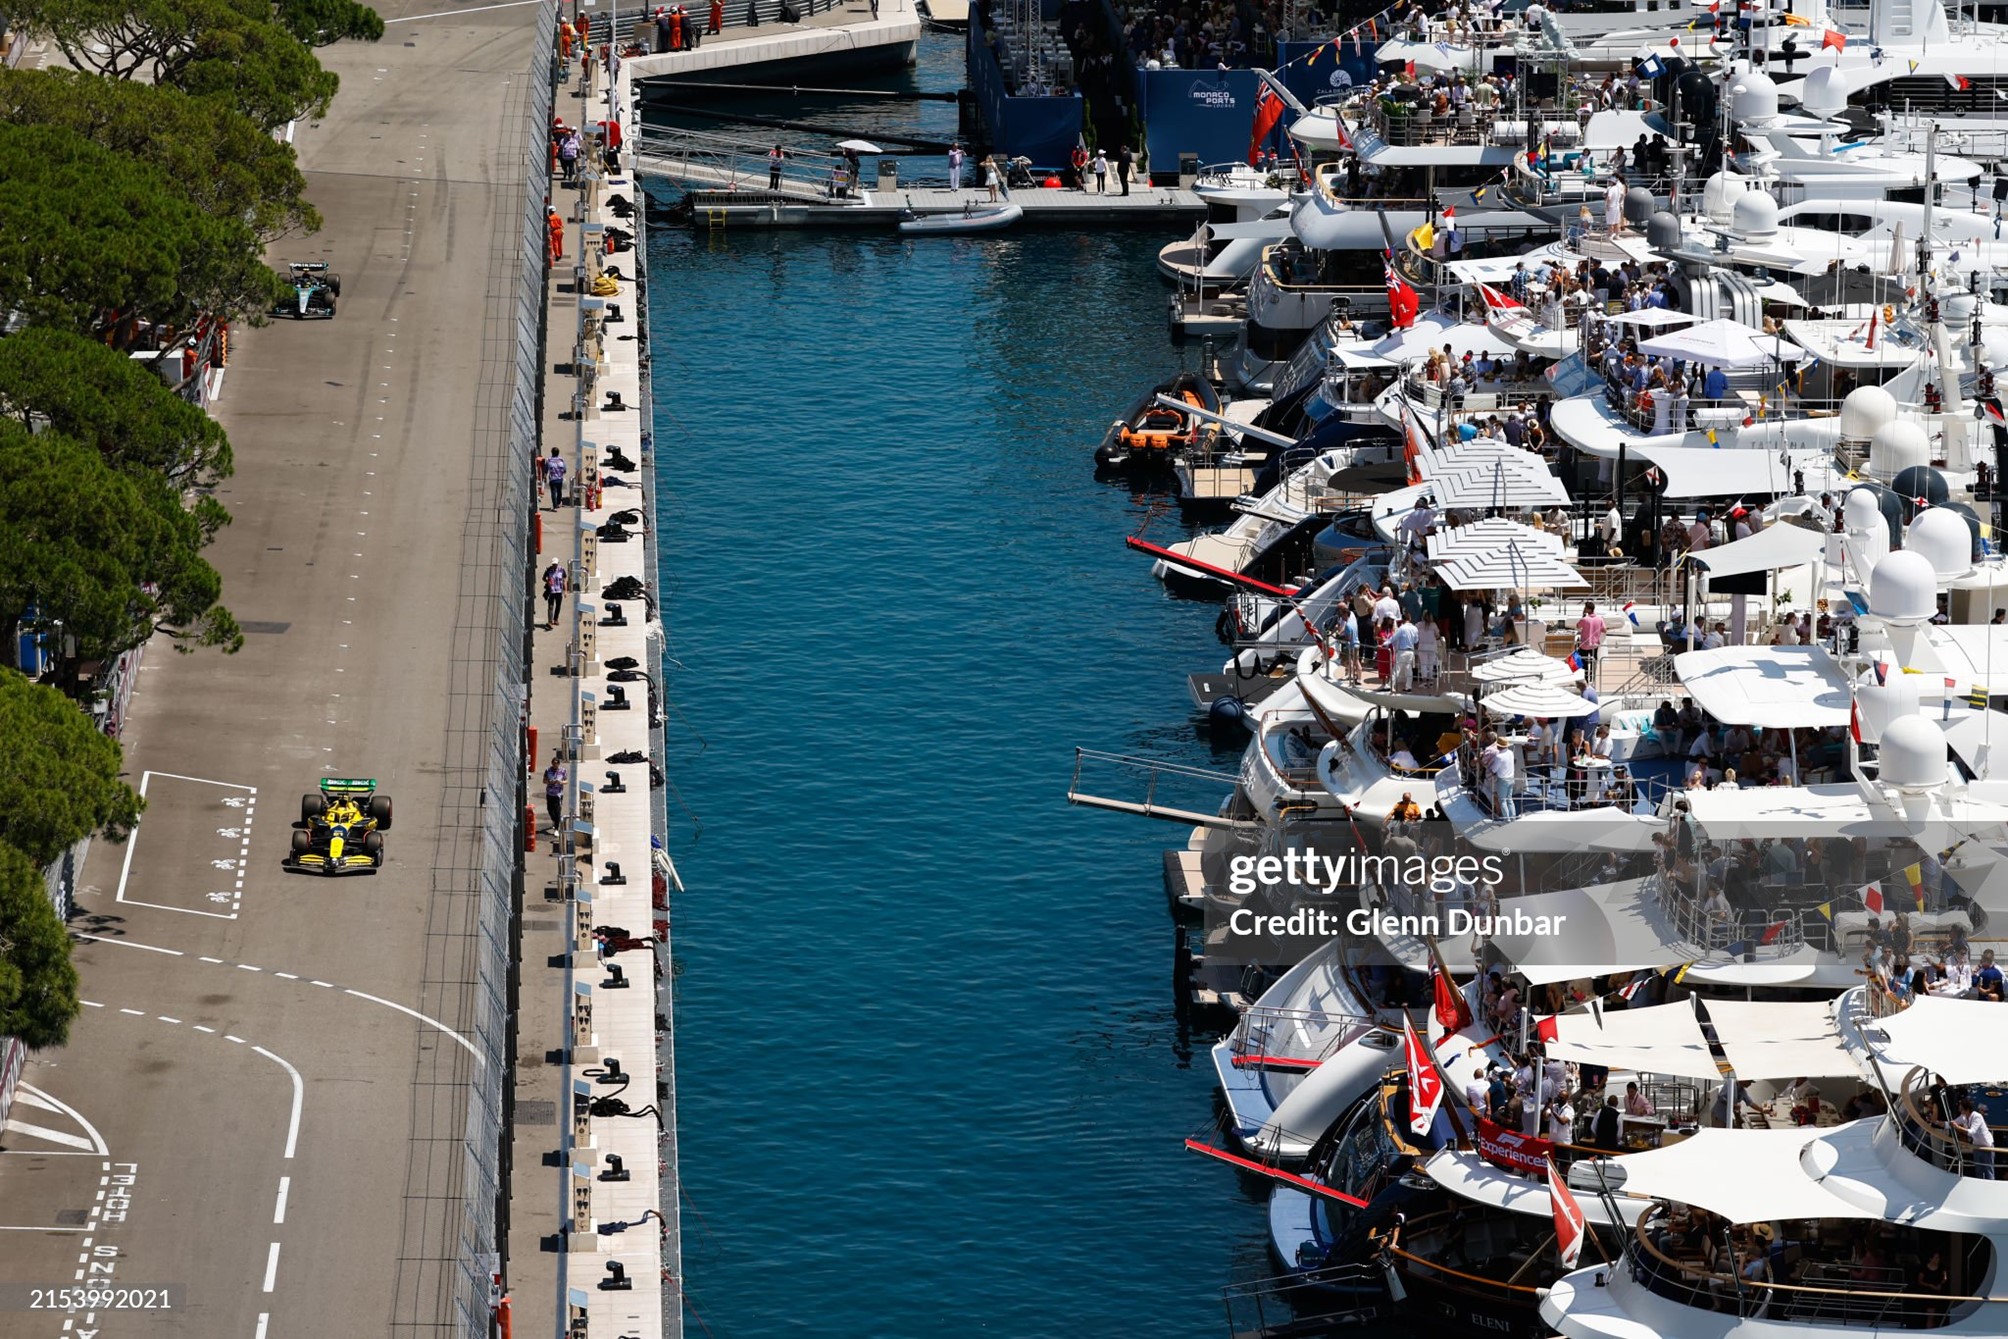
(1662, 1039)
(1746, 1176)
(1512, 568)
(1522, 664)
(1781, 1039)
(1706, 471)
(1653, 317)
(1771, 549)
(1783, 687)
(1545, 697)
(1490, 533)
(1485, 473)
(1963, 1041)
(859, 146)
(1722, 343)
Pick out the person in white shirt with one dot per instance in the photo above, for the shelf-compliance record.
(1499, 766)
(1562, 1120)
(1387, 607)
(1612, 528)
(1406, 638)
(1715, 639)
(1971, 1123)
(1478, 1094)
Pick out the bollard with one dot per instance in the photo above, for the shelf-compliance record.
(530, 828)
(537, 531)
(530, 762)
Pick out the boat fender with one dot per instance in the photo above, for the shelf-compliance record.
(1105, 457)
(1223, 627)
(1226, 712)
(1248, 664)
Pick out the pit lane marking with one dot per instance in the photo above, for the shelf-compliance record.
(248, 802)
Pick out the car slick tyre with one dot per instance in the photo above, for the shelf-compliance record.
(380, 811)
(302, 843)
(334, 286)
(373, 846)
(312, 807)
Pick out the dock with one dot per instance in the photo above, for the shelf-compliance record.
(824, 39)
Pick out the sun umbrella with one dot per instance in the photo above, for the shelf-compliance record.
(1538, 697)
(1521, 665)
(859, 146)
(1722, 343)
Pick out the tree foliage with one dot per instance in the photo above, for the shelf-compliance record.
(90, 237)
(38, 982)
(215, 155)
(112, 556)
(59, 775)
(320, 22)
(238, 51)
(102, 399)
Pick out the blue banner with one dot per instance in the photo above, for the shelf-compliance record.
(1207, 112)
(1330, 73)
(1044, 130)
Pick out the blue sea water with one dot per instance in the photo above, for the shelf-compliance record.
(929, 1077)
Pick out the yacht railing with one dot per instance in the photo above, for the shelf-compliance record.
(1854, 1295)
(1413, 125)
(1165, 784)
(1258, 1030)
(1920, 1124)
(1492, 395)
(1315, 1301)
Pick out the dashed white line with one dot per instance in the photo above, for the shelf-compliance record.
(279, 1210)
(272, 1267)
(136, 1013)
(239, 1040)
(165, 1019)
(199, 1028)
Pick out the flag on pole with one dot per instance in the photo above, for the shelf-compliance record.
(1834, 39)
(1855, 721)
(1268, 111)
(1451, 1009)
(1772, 931)
(1547, 1029)
(1914, 875)
(1569, 1226)
(1872, 898)
(1631, 611)
(1411, 446)
(1959, 81)
(1425, 1084)
(1403, 304)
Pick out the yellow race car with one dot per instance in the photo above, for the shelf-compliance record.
(340, 829)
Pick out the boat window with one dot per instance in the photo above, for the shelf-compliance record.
(1854, 225)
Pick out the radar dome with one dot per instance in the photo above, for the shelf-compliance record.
(1941, 536)
(1919, 487)
(1897, 446)
(1975, 550)
(1638, 205)
(1860, 510)
(1912, 754)
(1755, 214)
(1753, 97)
(1662, 231)
(1866, 409)
(1718, 197)
(1824, 92)
(1903, 589)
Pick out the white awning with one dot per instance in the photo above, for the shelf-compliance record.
(1782, 1039)
(1655, 317)
(1747, 1176)
(1525, 663)
(1470, 1177)
(1964, 1041)
(1771, 549)
(1722, 343)
(1547, 698)
(1509, 569)
(1693, 471)
(1788, 687)
(1486, 473)
(1489, 533)
(1663, 1039)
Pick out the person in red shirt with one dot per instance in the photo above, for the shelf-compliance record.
(717, 15)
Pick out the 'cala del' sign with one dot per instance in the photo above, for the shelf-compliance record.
(1508, 1148)
(1212, 93)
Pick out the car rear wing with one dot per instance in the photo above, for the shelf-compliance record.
(336, 785)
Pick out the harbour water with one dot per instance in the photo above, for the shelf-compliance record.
(929, 1074)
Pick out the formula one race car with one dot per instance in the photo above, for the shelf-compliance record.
(315, 289)
(341, 829)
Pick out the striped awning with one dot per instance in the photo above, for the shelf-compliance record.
(1491, 533)
(1487, 473)
(1511, 567)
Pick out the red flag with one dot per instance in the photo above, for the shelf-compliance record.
(1959, 81)
(1569, 1226)
(1547, 1029)
(1411, 446)
(1425, 1085)
(1451, 1009)
(1268, 111)
(1771, 932)
(1497, 303)
(1855, 721)
(1835, 39)
(1872, 899)
(1402, 303)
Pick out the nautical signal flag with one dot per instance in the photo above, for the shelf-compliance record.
(1631, 611)
(1569, 1225)
(1547, 1029)
(1425, 1083)
(1451, 1009)
(1914, 875)
(1826, 910)
(1976, 697)
(1872, 899)
(1959, 81)
(1574, 661)
(1834, 39)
